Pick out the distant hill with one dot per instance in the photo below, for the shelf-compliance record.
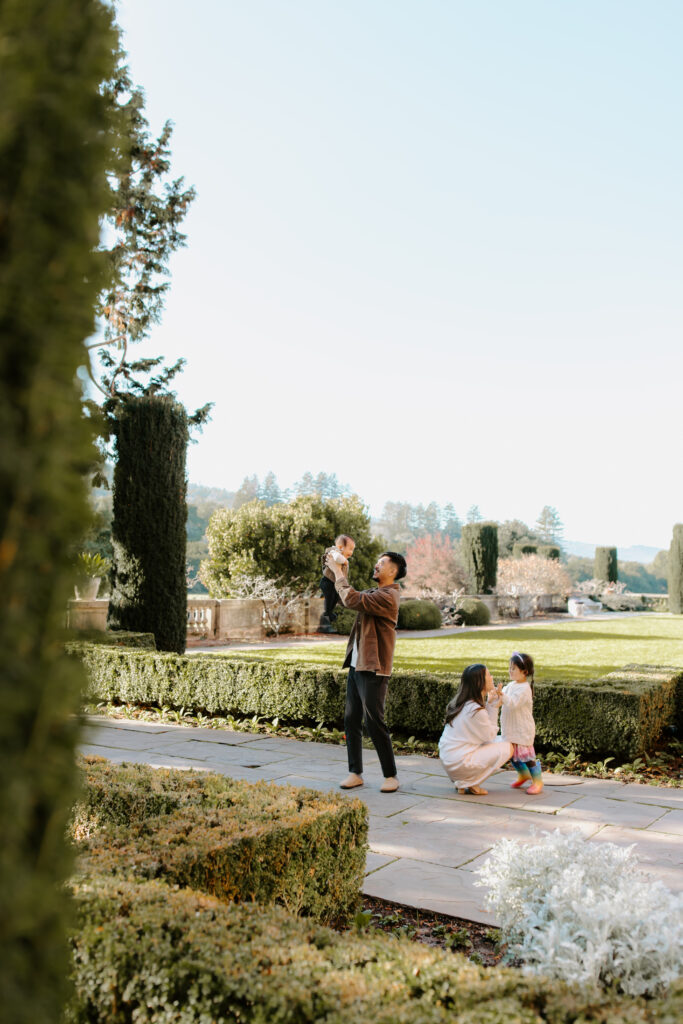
(197, 493)
(635, 553)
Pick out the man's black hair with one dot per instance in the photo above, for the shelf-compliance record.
(398, 560)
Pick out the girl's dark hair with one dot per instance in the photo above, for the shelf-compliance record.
(525, 663)
(471, 687)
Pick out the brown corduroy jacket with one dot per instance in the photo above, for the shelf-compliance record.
(375, 626)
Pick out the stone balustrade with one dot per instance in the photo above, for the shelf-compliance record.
(210, 619)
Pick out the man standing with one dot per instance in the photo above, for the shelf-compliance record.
(369, 659)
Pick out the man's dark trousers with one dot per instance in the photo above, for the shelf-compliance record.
(366, 695)
(329, 592)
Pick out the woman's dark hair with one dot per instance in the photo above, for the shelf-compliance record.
(525, 663)
(472, 683)
(398, 561)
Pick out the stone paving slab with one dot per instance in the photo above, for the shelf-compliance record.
(612, 811)
(671, 822)
(433, 887)
(426, 841)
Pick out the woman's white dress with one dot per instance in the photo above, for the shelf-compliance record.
(469, 749)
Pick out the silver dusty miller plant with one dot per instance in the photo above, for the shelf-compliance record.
(584, 912)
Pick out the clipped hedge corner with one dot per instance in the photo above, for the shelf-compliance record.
(236, 840)
(622, 714)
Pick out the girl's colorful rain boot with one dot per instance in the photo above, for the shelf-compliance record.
(537, 777)
(523, 774)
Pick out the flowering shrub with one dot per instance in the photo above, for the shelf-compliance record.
(584, 913)
(532, 574)
(433, 565)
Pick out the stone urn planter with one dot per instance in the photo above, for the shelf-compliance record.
(86, 590)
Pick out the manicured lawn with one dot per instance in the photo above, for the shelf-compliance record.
(571, 650)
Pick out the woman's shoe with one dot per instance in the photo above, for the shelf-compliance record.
(473, 791)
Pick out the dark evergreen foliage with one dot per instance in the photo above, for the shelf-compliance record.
(520, 548)
(549, 551)
(606, 565)
(53, 154)
(480, 553)
(676, 571)
(149, 586)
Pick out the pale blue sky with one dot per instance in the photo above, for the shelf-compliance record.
(436, 250)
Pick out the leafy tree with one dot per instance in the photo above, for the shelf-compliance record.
(285, 542)
(53, 152)
(427, 519)
(450, 522)
(549, 527)
(325, 485)
(514, 531)
(247, 491)
(141, 231)
(474, 514)
(305, 486)
(659, 566)
(269, 491)
(396, 524)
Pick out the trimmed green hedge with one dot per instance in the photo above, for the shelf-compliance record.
(344, 622)
(148, 954)
(473, 612)
(521, 548)
(236, 840)
(115, 638)
(620, 715)
(416, 614)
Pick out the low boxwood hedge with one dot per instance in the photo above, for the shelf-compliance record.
(114, 638)
(150, 954)
(417, 614)
(239, 841)
(473, 612)
(622, 714)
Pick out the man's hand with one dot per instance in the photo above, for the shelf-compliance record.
(335, 566)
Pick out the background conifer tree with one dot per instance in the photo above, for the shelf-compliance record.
(149, 592)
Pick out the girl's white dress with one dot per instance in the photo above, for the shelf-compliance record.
(469, 749)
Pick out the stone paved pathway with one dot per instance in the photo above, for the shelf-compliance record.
(425, 840)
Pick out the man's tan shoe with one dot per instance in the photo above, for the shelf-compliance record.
(389, 785)
(353, 781)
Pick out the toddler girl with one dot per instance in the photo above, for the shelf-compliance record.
(517, 722)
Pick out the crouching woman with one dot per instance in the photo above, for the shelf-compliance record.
(469, 748)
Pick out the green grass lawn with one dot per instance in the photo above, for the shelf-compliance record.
(566, 650)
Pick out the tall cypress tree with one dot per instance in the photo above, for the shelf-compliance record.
(676, 571)
(480, 552)
(53, 152)
(606, 566)
(149, 587)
